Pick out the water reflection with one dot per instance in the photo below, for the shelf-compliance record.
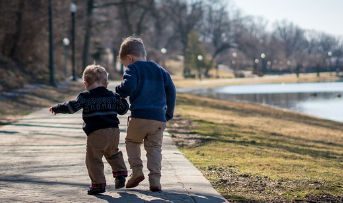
(321, 102)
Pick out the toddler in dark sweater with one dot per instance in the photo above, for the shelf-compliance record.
(100, 107)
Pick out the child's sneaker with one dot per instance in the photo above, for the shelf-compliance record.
(119, 181)
(96, 190)
(135, 179)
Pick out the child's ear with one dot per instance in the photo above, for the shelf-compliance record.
(129, 57)
(106, 84)
(85, 83)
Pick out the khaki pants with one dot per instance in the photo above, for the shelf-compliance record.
(149, 132)
(104, 142)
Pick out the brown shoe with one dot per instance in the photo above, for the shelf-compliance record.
(155, 185)
(134, 179)
(155, 189)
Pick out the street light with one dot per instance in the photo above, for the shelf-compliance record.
(109, 58)
(164, 51)
(330, 54)
(289, 63)
(263, 56)
(256, 61)
(269, 65)
(234, 55)
(73, 9)
(66, 43)
(200, 58)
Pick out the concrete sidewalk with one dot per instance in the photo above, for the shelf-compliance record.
(42, 160)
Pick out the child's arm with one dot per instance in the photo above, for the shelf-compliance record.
(68, 107)
(171, 97)
(129, 83)
(122, 105)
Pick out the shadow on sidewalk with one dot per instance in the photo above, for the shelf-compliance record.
(32, 181)
(154, 197)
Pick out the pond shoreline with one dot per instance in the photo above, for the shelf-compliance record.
(322, 100)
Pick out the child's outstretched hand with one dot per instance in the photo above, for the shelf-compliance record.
(52, 111)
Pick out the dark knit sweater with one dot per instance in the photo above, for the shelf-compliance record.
(100, 107)
(151, 90)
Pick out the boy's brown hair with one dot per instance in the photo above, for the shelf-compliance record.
(94, 73)
(132, 46)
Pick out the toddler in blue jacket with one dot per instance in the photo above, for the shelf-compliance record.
(152, 100)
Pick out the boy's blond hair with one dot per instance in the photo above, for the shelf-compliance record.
(94, 73)
(132, 46)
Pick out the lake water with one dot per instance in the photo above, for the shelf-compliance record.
(323, 100)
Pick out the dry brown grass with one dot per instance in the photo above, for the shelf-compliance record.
(252, 152)
(291, 78)
(13, 108)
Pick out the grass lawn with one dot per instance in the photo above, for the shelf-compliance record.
(251, 152)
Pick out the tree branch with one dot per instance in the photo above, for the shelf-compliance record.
(115, 4)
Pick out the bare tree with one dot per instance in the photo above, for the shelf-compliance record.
(185, 16)
(219, 29)
(291, 36)
(91, 5)
(251, 41)
(338, 54)
(314, 50)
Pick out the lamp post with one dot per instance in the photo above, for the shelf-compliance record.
(66, 43)
(200, 58)
(256, 67)
(73, 9)
(289, 64)
(51, 48)
(330, 54)
(234, 63)
(164, 51)
(269, 65)
(263, 56)
(109, 57)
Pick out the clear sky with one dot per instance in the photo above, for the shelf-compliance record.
(319, 15)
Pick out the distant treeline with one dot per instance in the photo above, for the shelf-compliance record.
(213, 29)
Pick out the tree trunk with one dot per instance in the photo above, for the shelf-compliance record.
(337, 67)
(18, 33)
(318, 70)
(185, 68)
(255, 71)
(51, 47)
(115, 53)
(298, 70)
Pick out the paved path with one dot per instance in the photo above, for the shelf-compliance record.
(42, 160)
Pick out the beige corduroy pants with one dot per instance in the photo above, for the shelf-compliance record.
(104, 142)
(149, 132)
